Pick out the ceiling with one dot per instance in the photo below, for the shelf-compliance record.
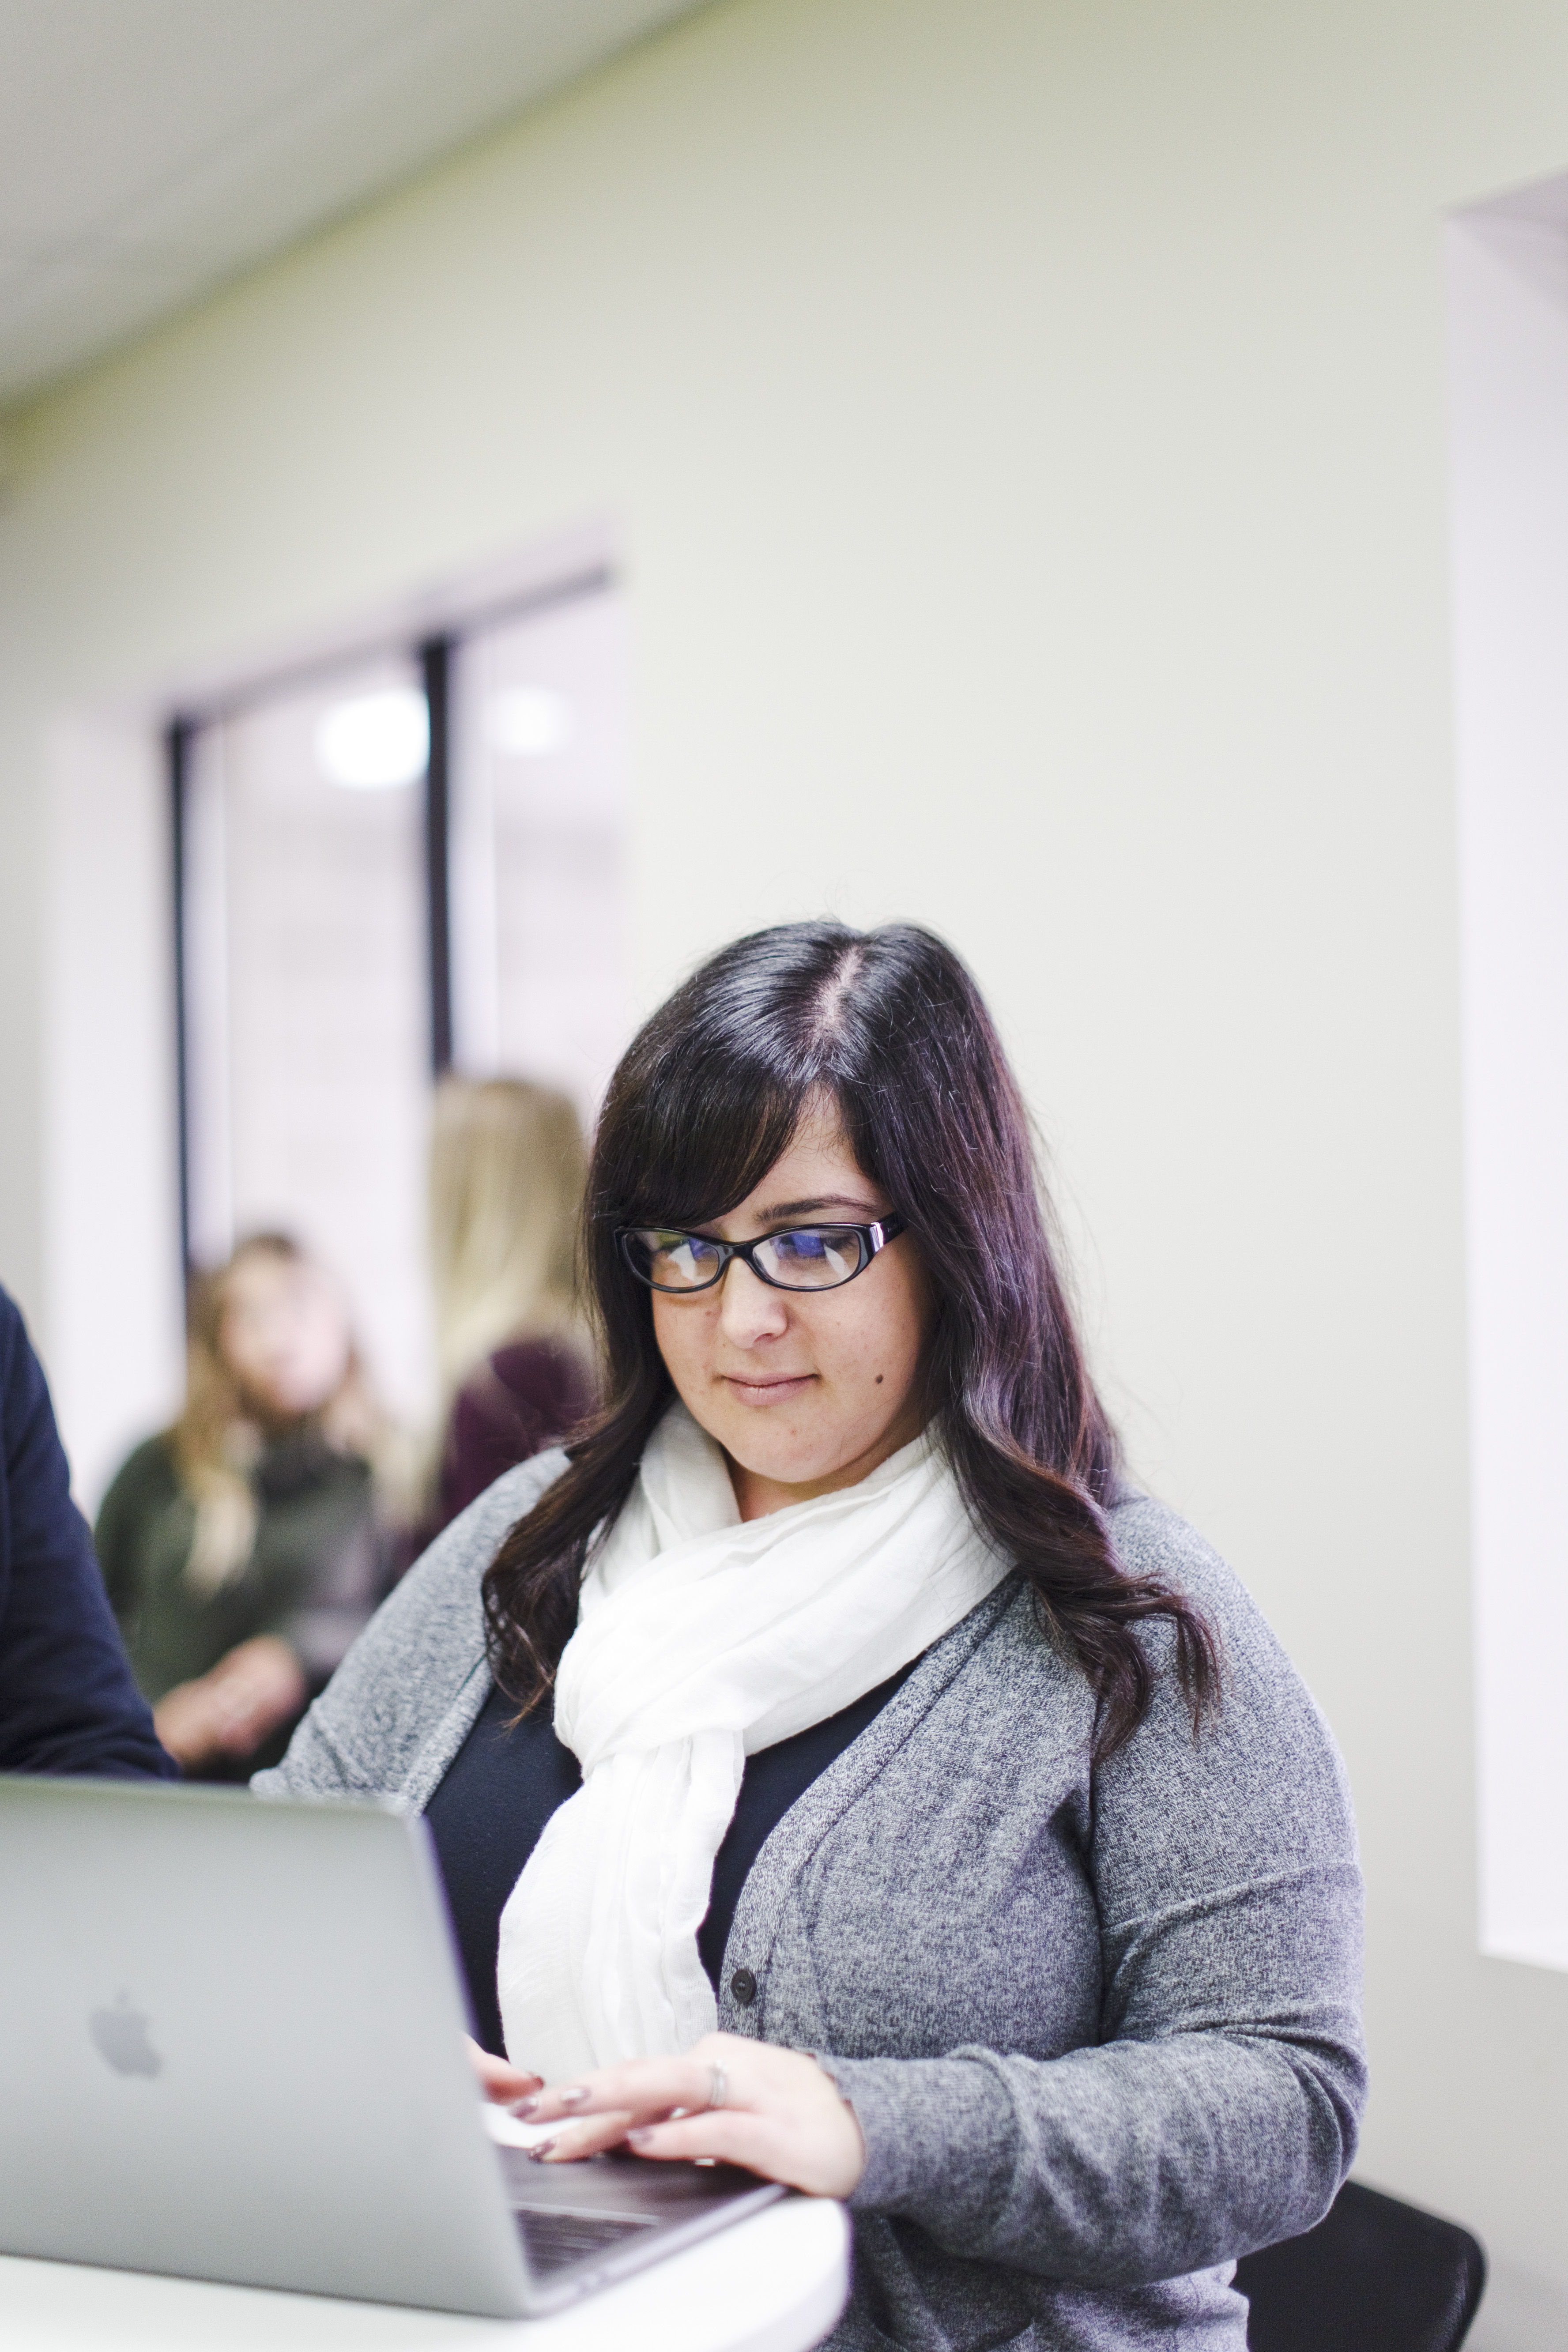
(150, 149)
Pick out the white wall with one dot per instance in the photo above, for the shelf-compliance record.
(1026, 428)
(114, 1335)
(1508, 278)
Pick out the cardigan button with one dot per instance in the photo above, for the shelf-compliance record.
(744, 1985)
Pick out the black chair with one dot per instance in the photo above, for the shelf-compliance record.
(1375, 2275)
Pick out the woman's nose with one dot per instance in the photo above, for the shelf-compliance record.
(749, 1309)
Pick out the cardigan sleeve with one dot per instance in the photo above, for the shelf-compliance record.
(1218, 2111)
(67, 1703)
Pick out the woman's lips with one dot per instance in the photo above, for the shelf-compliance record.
(763, 1394)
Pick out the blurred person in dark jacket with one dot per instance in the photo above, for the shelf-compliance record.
(67, 1701)
(507, 1167)
(243, 1547)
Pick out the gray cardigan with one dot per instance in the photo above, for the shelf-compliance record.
(1100, 2027)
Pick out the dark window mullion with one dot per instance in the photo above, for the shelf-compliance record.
(177, 746)
(435, 667)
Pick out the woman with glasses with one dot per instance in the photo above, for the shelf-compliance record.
(837, 1766)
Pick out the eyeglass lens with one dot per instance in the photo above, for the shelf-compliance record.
(813, 1257)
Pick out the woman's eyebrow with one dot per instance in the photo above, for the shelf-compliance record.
(805, 1208)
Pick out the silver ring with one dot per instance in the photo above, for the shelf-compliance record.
(719, 2087)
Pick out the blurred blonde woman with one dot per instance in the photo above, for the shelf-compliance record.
(242, 1547)
(507, 1168)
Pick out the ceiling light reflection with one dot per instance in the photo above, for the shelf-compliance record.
(528, 722)
(374, 740)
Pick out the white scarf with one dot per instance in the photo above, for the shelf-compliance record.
(700, 1640)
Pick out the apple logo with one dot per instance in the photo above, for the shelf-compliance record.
(121, 2033)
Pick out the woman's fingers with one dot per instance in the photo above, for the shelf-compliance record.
(498, 2078)
(653, 2086)
(777, 2112)
(821, 2153)
(590, 2137)
(729, 2137)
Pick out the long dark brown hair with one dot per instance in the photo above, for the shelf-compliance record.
(891, 1025)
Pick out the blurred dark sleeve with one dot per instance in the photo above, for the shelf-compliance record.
(67, 1703)
(527, 1397)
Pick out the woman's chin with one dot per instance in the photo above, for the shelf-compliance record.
(800, 1470)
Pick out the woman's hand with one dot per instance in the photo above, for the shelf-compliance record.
(229, 1712)
(780, 2114)
(498, 2078)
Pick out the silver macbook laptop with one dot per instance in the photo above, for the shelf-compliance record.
(230, 2049)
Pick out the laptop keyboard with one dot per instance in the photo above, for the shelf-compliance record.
(551, 2240)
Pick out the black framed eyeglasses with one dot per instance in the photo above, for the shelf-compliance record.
(805, 1258)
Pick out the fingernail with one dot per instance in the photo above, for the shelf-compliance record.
(572, 2098)
(640, 2138)
(522, 2109)
(539, 2151)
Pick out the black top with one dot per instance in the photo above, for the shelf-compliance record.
(502, 1786)
(66, 1700)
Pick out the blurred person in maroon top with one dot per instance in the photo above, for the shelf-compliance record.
(507, 1167)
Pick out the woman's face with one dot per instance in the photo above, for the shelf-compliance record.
(805, 1392)
(284, 1335)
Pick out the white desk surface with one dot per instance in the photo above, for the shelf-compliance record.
(773, 2283)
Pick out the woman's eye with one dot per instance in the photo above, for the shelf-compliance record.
(815, 1253)
(683, 1257)
(801, 1249)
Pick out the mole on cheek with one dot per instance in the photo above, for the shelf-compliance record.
(879, 1380)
